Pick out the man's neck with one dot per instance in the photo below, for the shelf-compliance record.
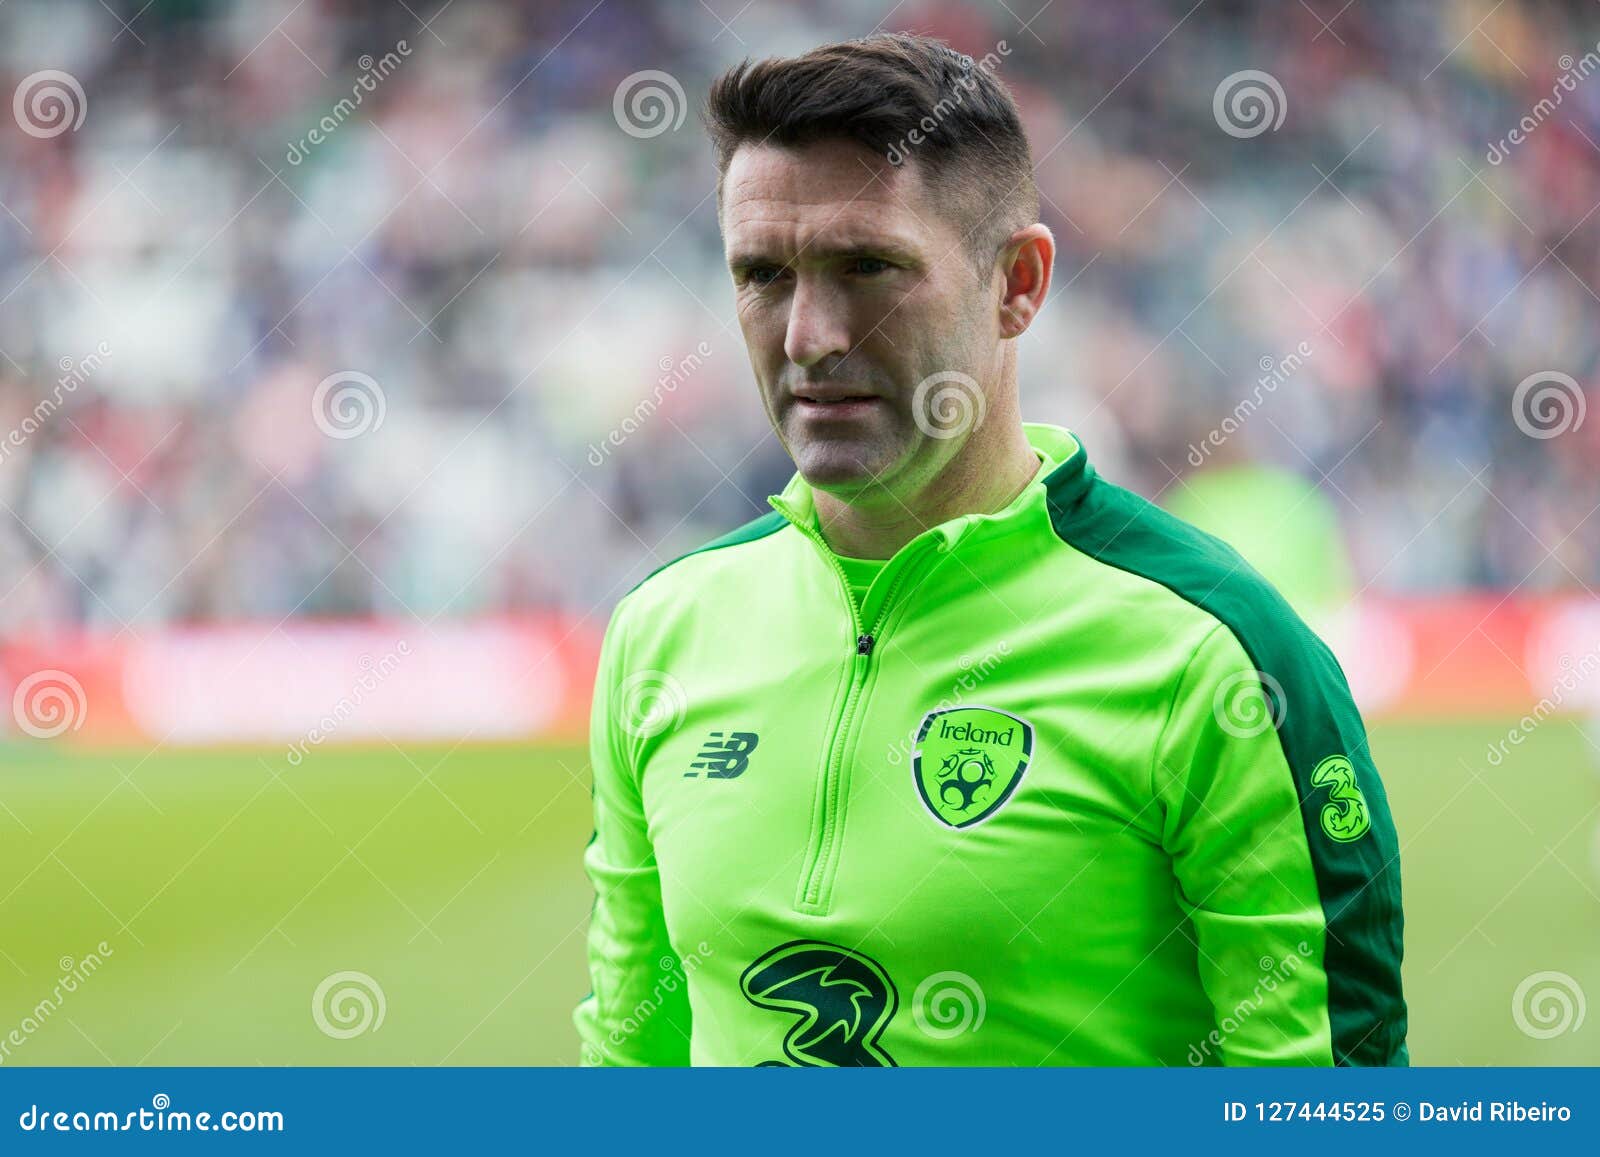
(878, 523)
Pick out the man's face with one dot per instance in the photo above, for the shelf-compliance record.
(853, 286)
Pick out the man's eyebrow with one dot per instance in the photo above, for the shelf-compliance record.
(886, 248)
(749, 259)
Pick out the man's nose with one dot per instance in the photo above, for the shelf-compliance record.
(818, 326)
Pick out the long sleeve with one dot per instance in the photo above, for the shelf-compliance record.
(1285, 857)
(638, 1010)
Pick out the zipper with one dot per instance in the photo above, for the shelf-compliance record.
(813, 894)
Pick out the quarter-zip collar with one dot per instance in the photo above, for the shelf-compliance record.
(1065, 473)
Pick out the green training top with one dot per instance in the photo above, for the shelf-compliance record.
(1071, 784)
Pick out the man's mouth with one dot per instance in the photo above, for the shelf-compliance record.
(841, 406)
(831, 400)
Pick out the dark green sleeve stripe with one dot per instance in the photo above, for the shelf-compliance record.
(768, 523)
(1358, 878)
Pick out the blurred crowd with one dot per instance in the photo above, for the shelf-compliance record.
(413, 308)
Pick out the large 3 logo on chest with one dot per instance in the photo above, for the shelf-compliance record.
(967, 761)
(841, 1000)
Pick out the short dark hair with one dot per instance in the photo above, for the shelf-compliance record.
(906, 97)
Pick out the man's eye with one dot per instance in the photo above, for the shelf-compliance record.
(763, 274)
(870, 265)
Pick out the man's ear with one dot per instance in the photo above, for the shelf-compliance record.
(1025, 264)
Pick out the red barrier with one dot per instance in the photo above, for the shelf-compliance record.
(306, 683)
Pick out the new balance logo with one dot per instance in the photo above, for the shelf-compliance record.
(725, 758)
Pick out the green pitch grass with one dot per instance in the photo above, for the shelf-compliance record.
(229, 885)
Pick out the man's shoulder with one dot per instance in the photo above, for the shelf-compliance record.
(1245, 653)
(1198, 575)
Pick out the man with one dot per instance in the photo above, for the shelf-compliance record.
(961, 755)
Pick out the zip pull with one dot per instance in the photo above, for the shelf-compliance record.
(864, 645)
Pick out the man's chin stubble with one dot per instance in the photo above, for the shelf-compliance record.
(845, 472)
